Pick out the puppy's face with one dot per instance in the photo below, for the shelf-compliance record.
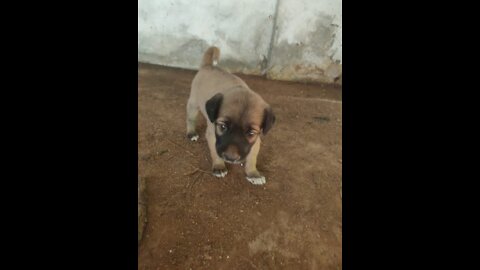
(239, 120)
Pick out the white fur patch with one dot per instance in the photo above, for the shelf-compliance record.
(221, 174)
(233, 162)
(257, 180)
(194, 138)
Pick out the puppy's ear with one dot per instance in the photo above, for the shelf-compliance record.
(268, 120)
(213, 106)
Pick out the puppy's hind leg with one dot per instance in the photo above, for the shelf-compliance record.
(192, 113)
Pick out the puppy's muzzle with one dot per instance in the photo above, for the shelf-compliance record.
(231, 158)
(231, 155)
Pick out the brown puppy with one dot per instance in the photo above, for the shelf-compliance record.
(236, 117)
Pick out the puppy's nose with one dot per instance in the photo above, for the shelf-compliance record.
(231, 156)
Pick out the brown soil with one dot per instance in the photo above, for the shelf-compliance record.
(197, 221)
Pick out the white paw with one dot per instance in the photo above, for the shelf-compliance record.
(194, 138)
(257, 180)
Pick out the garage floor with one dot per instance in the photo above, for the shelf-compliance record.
(196, 221)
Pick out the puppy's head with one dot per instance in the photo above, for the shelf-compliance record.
(239, 119)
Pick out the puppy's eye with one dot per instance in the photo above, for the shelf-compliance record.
(251, 133)
(222, 127)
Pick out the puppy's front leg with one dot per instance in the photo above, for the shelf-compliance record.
(218, 165)
(253, 176)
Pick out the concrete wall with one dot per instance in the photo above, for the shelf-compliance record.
(308, 41)
(284, 39)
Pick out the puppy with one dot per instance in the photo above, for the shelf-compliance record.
(236, 117)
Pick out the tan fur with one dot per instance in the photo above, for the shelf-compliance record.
(251, 164)
(211, 57)
(211, 80)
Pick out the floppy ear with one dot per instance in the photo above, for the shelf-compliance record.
(268, 120)
(213, 106)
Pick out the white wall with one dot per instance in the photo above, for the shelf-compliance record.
(305, 45)
(308, 41)
(176, 33)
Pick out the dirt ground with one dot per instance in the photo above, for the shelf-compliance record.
(197, 221)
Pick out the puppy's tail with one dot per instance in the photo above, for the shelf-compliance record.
(211, 57)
